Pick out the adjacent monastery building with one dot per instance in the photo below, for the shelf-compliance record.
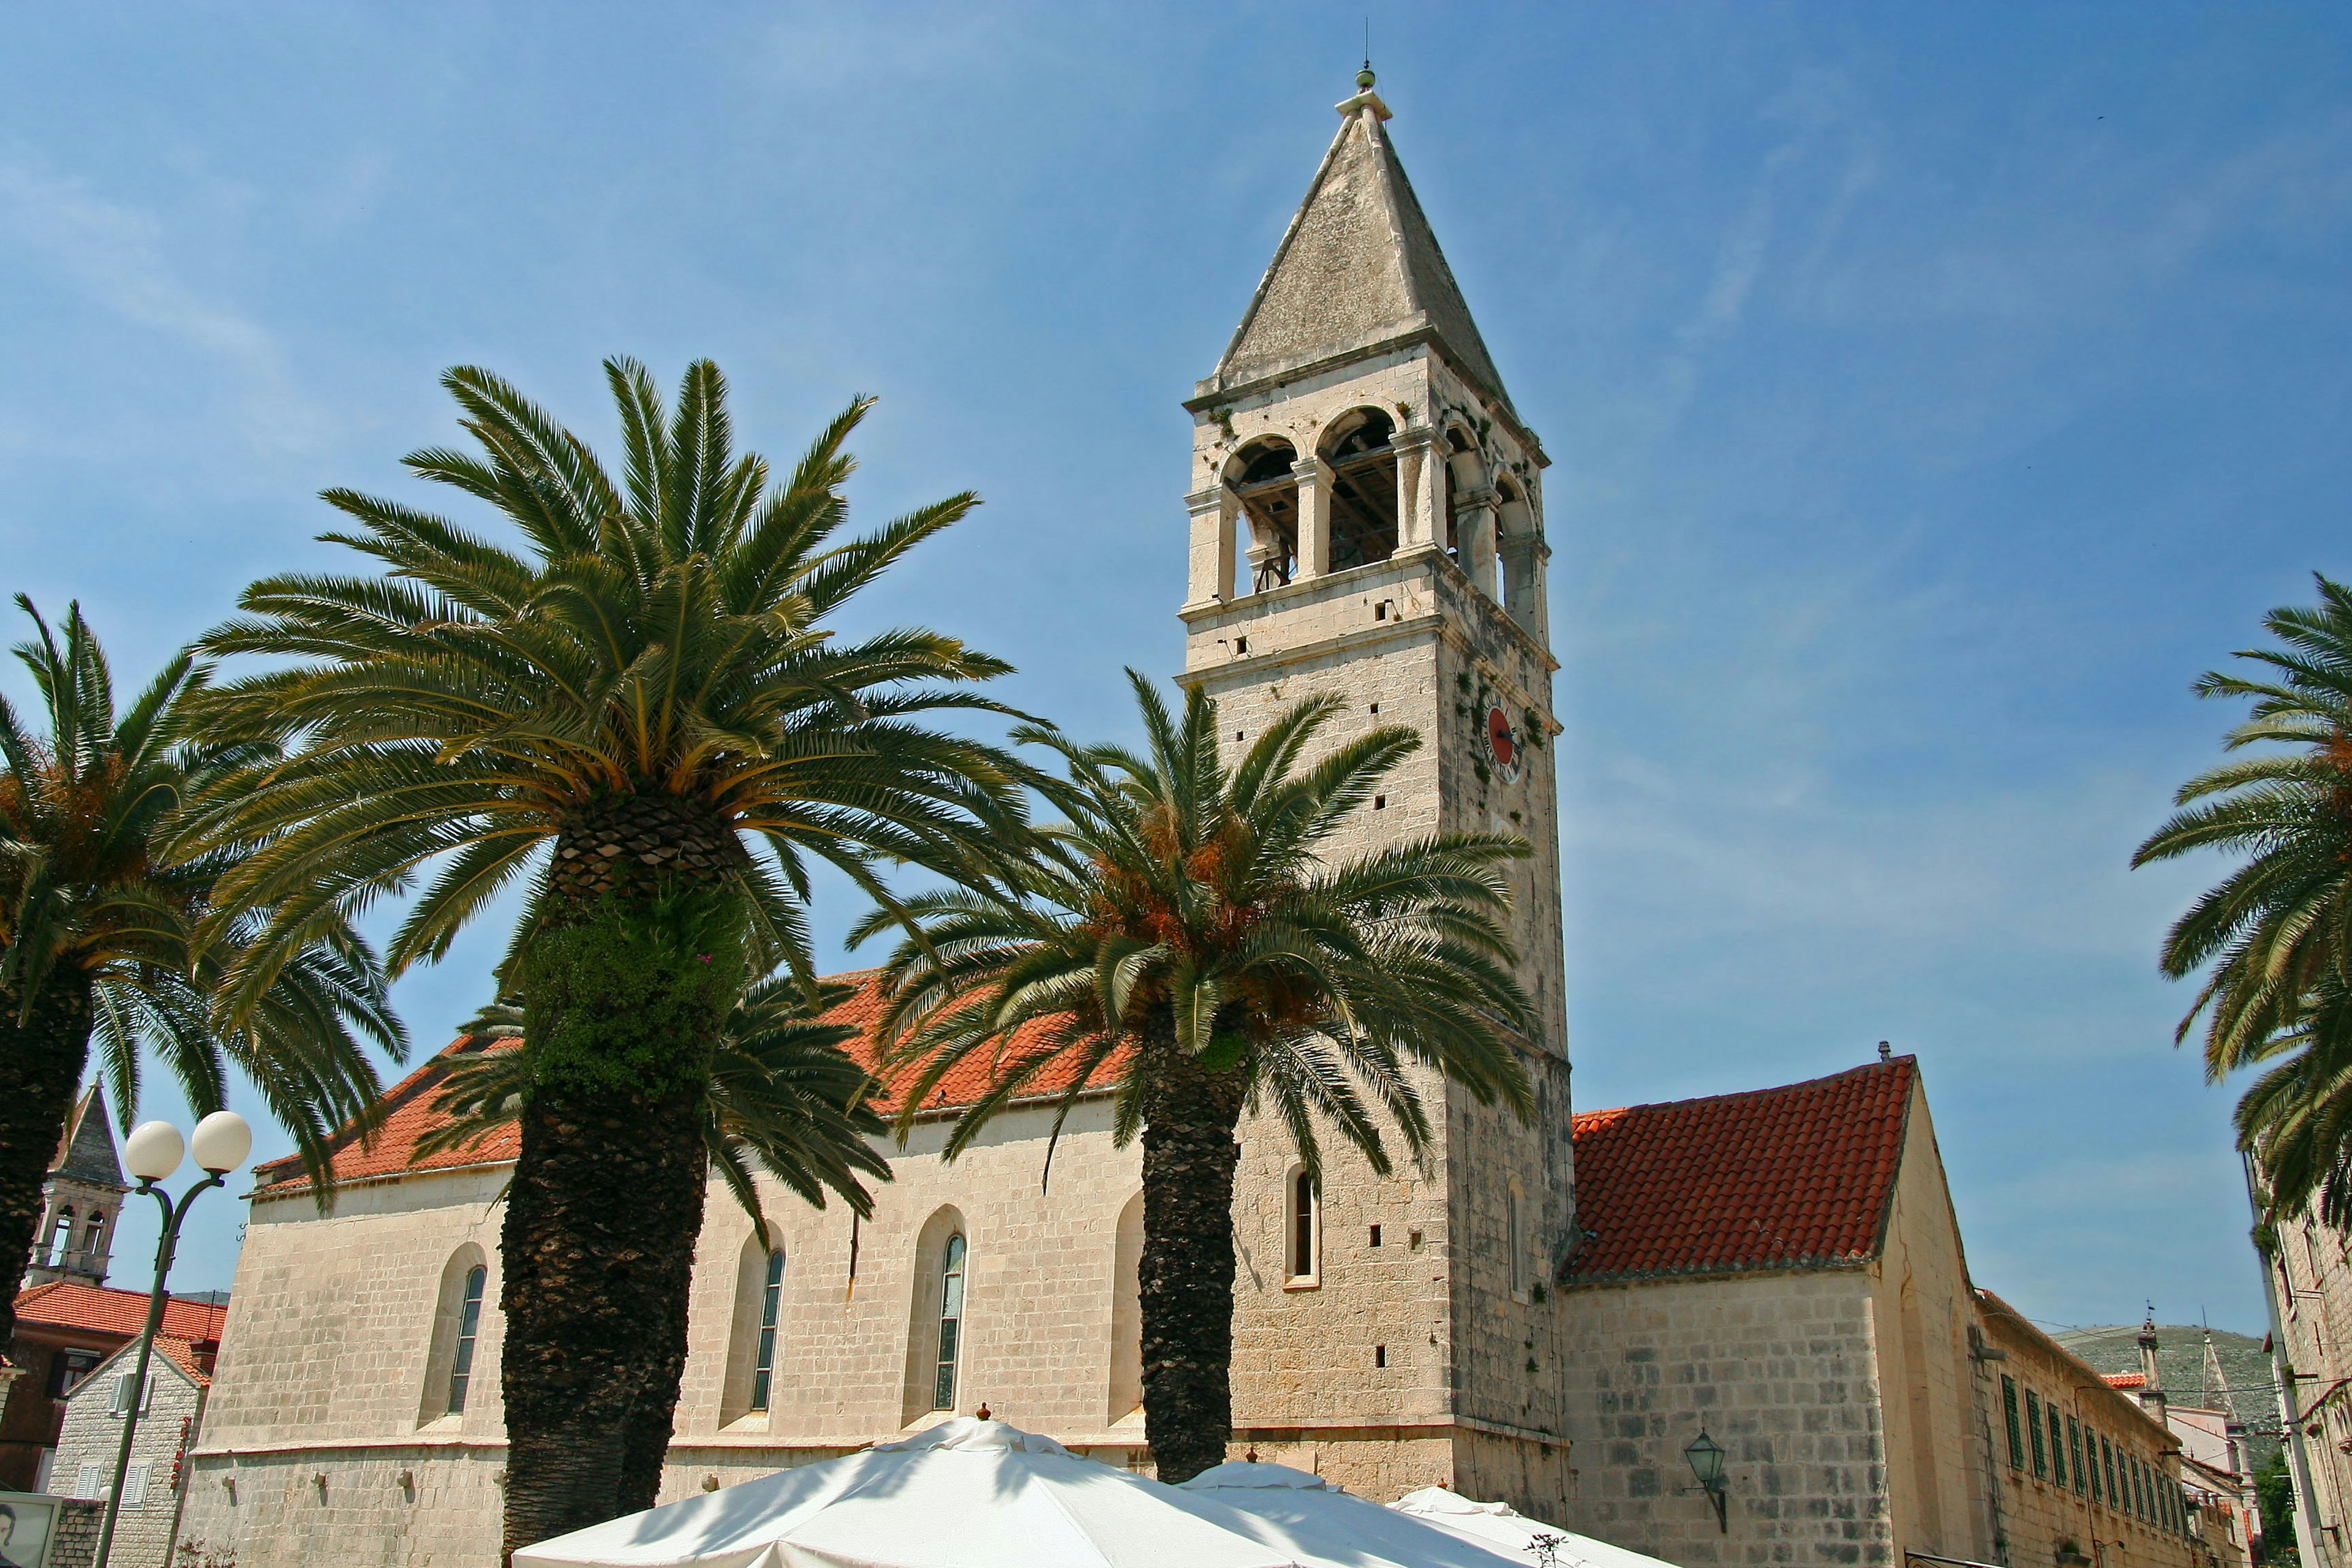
(1550, 1312)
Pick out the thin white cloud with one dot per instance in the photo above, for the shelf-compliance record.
(118, 258)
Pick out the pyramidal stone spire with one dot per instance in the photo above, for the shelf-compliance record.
(1359, 269)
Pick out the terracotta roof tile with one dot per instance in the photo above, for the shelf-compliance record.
(2126, 1379)
(103, 1309)
(409, 1115)
(186, 1357)
(1776, 1178)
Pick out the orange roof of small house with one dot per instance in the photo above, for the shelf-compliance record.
(2126, 1379)
(1797, 1176)
(409, 1116)
(103, 1309)
(184, 1356)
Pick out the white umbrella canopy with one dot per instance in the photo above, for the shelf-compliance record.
(1501, 1527)
(1294, 1512)
(966, 1494)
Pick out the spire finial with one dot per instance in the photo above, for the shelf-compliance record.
(1364, 77)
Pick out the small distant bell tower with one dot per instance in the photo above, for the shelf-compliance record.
(1367, 520)
(80, 1199)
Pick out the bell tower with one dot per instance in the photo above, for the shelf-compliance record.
(1366, 519)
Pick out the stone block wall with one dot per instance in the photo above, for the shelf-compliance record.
(78, 1527)
(1780, 1367)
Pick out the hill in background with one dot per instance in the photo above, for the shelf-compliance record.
(2180, 1364)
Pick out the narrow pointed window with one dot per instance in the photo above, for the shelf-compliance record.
(61, 1239)
(1304, 1227)
(944, 1390)
(469, 1320)
(772, 1297)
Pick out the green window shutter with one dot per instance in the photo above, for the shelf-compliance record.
(2139, 1490)
(2074, 1449)
(2009, 1408)
(2057, 1446)
(2108, 1452)
(2033, 1432)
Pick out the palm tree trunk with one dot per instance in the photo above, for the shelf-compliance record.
(1186, 1271)
(41, 1062)
(627, 985)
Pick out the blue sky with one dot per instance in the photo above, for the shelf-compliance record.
(1933, 392)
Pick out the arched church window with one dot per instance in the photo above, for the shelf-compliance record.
(470, 1323)
(1363, 470)
(1305, 1224)
(944, 1388)
(1126, 1311)
(61, 1239)
(93, 1235)
(772, 1297)
(1260, 478)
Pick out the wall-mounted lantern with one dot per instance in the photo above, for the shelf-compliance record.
(1706, 1456)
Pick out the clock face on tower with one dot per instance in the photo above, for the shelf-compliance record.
(1502, 744)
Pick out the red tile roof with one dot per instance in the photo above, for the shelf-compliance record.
(183, 1355)
(2125, 1379)
(103, 1309)
(1777, 1178)
(409, 1114)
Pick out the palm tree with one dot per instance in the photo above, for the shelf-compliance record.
(783, 1097)
(1180, 942)
(2274, 936)
(97, 931)
(643, 716)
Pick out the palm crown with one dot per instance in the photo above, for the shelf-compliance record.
(2276, 933)
(1182, 912)
(88, 897)
(661, 639)
(2280, 924)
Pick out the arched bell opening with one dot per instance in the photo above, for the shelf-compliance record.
(1266, 490)
(1361, 462)
(1521, 553)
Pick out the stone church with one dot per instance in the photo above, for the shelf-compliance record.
(1782, 1270)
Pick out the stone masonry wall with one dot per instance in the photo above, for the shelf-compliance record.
(1780, 1367)
(331, 1344)
(91, 1439)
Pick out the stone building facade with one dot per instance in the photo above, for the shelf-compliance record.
(1782, 1270)
(2307, 1275)
(154, 1487)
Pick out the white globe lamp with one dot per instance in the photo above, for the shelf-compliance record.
(152, 1151)
(222, 1141)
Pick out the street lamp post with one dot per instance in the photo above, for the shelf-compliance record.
(151, 1152)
